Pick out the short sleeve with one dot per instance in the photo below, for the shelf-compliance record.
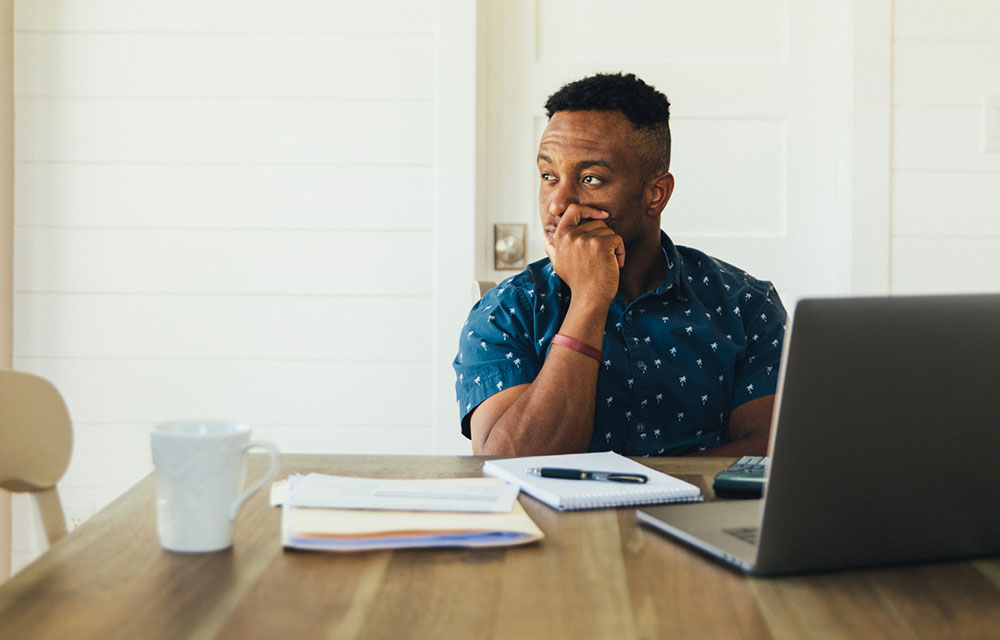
(757, 373)
(496, 350)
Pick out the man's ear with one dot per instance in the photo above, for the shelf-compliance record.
(658, 191)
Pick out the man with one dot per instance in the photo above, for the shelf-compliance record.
(619, 340)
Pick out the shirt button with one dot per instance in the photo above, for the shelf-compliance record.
(641, 365)
(640, 427)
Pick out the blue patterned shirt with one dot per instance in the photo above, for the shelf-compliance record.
(677, 360)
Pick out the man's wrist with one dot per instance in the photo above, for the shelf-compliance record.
(590, 305)
(579, 346)
(585, 321)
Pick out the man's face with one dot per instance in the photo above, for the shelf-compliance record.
(585, 158)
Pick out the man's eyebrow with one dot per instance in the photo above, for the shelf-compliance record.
(586, 164)
(583, 164)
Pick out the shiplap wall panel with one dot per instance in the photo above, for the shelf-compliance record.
(225, 16)
(946, 187)
(353, 439)
(220, 261)
(225, 196)
(92, 442)
(278, 66)
(226, 208)
(214, 326)
(86, 130)
(275, 392)
(940, 264)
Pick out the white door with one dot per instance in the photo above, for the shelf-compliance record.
(759, 120)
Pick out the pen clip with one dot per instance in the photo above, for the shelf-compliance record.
(634, 478)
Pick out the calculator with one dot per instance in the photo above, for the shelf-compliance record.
(744, 478)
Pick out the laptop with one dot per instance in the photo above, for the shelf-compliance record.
(885, 442)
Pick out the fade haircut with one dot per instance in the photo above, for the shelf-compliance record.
(646, 109)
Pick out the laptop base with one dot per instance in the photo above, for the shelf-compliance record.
(710, 527)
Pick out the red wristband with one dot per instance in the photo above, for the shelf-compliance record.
(576, 345)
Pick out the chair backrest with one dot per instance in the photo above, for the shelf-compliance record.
(36, 440)
(479, 287)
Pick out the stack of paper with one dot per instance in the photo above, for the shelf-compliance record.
(334, 513)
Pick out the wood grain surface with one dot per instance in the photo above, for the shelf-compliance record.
(597, 574)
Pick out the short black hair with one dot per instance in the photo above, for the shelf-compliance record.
(646, 109)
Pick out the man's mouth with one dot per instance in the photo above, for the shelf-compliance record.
(550, 228)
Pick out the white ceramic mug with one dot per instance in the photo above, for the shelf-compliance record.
(200, 473)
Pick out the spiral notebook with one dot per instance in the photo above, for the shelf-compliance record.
(569, 495)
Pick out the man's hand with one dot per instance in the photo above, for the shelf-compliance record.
(586, 253)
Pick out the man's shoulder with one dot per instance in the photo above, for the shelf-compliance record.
(698, 265)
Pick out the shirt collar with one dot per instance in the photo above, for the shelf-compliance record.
(672, 282)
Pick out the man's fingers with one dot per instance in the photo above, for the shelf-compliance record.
(569, 219)
(584, 222)
(574, 215)
(620, 253)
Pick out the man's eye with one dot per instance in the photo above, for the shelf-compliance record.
(592, 180)
(547, 177)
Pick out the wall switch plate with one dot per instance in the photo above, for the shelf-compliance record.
(991, 123)
(508, 245)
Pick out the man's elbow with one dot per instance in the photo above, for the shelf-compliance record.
(755, 442)
(493, 446)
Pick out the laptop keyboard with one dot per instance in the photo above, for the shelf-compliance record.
(750, 466)
(746, 534)
(745, 478)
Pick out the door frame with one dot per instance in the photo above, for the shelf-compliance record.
(870, 174)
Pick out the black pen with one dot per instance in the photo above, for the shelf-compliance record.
(580, 474)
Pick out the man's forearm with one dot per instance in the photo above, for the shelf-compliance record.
(555, 413)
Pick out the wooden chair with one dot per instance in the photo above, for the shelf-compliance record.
(36, 439)
(479, 287)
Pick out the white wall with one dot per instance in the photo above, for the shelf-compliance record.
(945, 188)
(230, 209)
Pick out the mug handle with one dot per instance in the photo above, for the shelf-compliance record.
(272, 470)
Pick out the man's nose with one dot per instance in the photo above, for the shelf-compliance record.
(562, 197)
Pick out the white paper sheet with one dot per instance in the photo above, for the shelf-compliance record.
(451, 494)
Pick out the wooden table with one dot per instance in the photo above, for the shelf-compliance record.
(597, 574)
